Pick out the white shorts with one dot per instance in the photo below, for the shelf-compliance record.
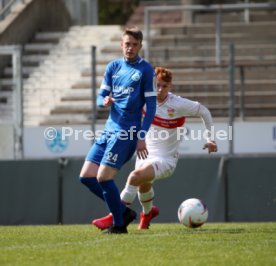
(163, 167)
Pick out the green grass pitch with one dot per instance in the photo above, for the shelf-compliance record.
(163, 244)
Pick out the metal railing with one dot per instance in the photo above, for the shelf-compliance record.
(210, 8)
(93, 87)
(16, 52)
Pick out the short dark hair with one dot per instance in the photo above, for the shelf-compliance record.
(134, 32)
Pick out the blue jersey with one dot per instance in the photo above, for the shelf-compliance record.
(129, 84)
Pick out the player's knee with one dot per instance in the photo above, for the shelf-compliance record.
(135, 178)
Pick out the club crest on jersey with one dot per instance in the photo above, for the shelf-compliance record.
(170, 112)
(136, 76)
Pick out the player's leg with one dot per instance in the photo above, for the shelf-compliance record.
(117, 153)
(162, 169)
(120, 216)
(146, 196)
(141, 178)
(111, 194)
(89, 171)
(137, 177)
(88, 177)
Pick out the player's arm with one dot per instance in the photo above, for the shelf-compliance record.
(142, 151)
(207, 120)
(103, 98)
(150, 102)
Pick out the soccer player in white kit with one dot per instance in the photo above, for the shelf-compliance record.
(162, 159)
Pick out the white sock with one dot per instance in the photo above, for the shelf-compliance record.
(146, 200)
(128, 194)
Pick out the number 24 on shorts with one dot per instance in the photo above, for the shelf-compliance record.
(112, 157)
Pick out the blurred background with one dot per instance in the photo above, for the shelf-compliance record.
(53, 54)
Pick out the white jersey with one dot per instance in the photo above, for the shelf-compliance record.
(163, 139)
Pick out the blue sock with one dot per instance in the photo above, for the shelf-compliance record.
(93, 185)
(113, 200)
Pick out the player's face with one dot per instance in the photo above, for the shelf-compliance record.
(163, 89)
(130, 47)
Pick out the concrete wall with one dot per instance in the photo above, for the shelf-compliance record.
(29, 192)
(44, 192)
(7, 142)
(252, 189)
(36, 15)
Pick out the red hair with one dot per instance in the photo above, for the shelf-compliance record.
(163, 74)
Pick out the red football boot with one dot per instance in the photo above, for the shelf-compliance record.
(104, 222)
(146, 218)
(107, 221)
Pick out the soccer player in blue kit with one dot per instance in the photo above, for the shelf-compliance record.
(128, 85)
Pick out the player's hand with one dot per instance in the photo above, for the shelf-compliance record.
(211, 146)
(108, 101)
(141, 149)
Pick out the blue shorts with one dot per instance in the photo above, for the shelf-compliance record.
(112, 150)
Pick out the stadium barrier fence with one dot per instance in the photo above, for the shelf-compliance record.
(49, 192)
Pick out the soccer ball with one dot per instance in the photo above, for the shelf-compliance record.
(192, 213)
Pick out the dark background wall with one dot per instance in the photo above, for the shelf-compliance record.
(48, 192)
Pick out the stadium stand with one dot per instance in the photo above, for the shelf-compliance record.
(57, 70)
(24, 20)
(64, 94)
(189, 51)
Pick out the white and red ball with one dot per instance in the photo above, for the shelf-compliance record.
(192, 213)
